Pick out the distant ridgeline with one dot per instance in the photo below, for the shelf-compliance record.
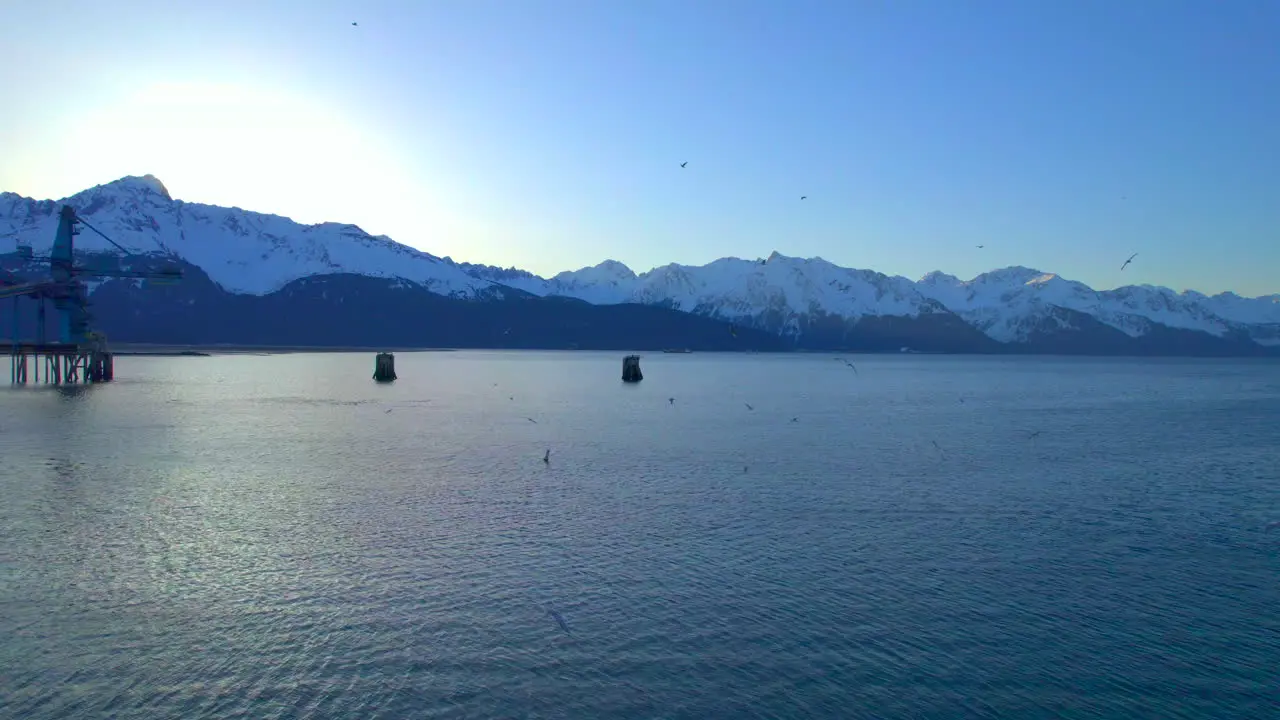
(259, 279)
(359, 311)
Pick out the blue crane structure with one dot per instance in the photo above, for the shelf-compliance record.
(78, 354)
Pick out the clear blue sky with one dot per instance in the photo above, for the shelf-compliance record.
(1063, 135)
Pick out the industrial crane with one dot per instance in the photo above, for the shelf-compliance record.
(67, 290)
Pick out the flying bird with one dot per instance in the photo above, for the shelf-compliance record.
(353, 24)
(686, 162)
(547, 458)
(981, 246)
(855, 369)
(1035, 435)
(795, 419)
(748, 406)
(804, 197)
(671, 400)
(535, 422)
(1126, 262)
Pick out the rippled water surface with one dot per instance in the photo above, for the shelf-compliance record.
(279, 537)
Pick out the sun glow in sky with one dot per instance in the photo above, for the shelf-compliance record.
(547, 134)
(224, 144)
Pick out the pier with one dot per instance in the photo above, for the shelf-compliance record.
(58, 364)
(79, 355)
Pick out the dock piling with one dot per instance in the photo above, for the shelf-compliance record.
(384, 367)
(631, 369)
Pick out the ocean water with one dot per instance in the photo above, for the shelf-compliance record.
(280, 537)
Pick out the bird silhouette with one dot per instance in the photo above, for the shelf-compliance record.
(535, 422)
(686, 162)
(981, 246)
(671, 400)
(804, 197)
(1126, 262)
(748, 406)
(547, 458)
(353, 24)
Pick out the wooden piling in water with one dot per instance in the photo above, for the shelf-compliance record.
(631, 369)
(101, 367)
(384, 367)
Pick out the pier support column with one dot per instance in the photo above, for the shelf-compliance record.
(631, 369)
(384, 367)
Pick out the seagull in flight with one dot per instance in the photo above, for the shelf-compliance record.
(547, 458)
(686, 162)
(1126, 262)
(846, 362)
(981, 246)
(748, 406)
(671, 400)
(804, 197)
(1035, 435)
(535, 422)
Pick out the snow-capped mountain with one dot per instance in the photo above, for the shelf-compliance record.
(1010, 305)
(811, 303)
(243, 252)
(779, 292)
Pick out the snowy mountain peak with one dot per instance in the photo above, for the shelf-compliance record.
(1012, 274)
(242, 251)
(937, 277)
(611, 269)
(146, 183)
(131, 187)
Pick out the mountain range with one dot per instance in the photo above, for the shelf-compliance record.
(253, 278)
